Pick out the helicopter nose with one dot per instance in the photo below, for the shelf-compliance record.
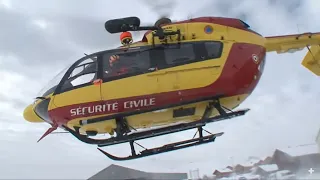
(30, 115)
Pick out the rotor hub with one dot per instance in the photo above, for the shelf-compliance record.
(162, 21)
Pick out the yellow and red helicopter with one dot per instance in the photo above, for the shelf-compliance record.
(180, 76)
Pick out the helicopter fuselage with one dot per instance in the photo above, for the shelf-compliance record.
(214, 58)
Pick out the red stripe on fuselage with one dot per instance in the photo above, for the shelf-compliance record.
(240, 75)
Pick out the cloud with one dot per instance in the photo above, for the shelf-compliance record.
(38, 39)
(30, 44)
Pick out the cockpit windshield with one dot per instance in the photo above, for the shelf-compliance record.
(52, 84)
(83, 71)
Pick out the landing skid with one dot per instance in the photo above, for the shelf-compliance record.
(165, 148)
(169, 129)
(131, 138)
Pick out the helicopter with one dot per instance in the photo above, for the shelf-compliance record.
(180, 76)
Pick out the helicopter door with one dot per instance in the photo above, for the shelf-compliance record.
(165, 81)
(190, 65)
(169, 61)
(127, 79)
(78, 93)
(202, 66)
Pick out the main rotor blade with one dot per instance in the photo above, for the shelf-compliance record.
(162, 7)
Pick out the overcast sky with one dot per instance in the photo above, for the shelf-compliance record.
(39, 38)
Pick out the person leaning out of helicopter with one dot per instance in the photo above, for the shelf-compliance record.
(126, 39)
(116, 68)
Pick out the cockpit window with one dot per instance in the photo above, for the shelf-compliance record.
(214, 49)
(87, 66)
(83, 73)
(122, 63)
(51, 86)
(177, 54)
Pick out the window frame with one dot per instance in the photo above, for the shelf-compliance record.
(219, 51)
(180, 46)
(195, 44)
(100, 63)
(72, 78)
(119, 52)
(60, 87)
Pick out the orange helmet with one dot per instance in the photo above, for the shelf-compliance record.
(126, 38)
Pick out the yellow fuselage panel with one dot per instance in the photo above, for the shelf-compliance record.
(161, 117)
(30, 115)
(85, 94)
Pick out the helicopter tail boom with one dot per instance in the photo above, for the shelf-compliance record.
(297, 42)
(291, 43)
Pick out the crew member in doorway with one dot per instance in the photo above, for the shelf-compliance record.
(115, 65)
(113, 59)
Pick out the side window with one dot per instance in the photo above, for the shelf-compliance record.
(179, 54)
(121, 63)
(83, 73)
(86, 78)
(214, 49)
